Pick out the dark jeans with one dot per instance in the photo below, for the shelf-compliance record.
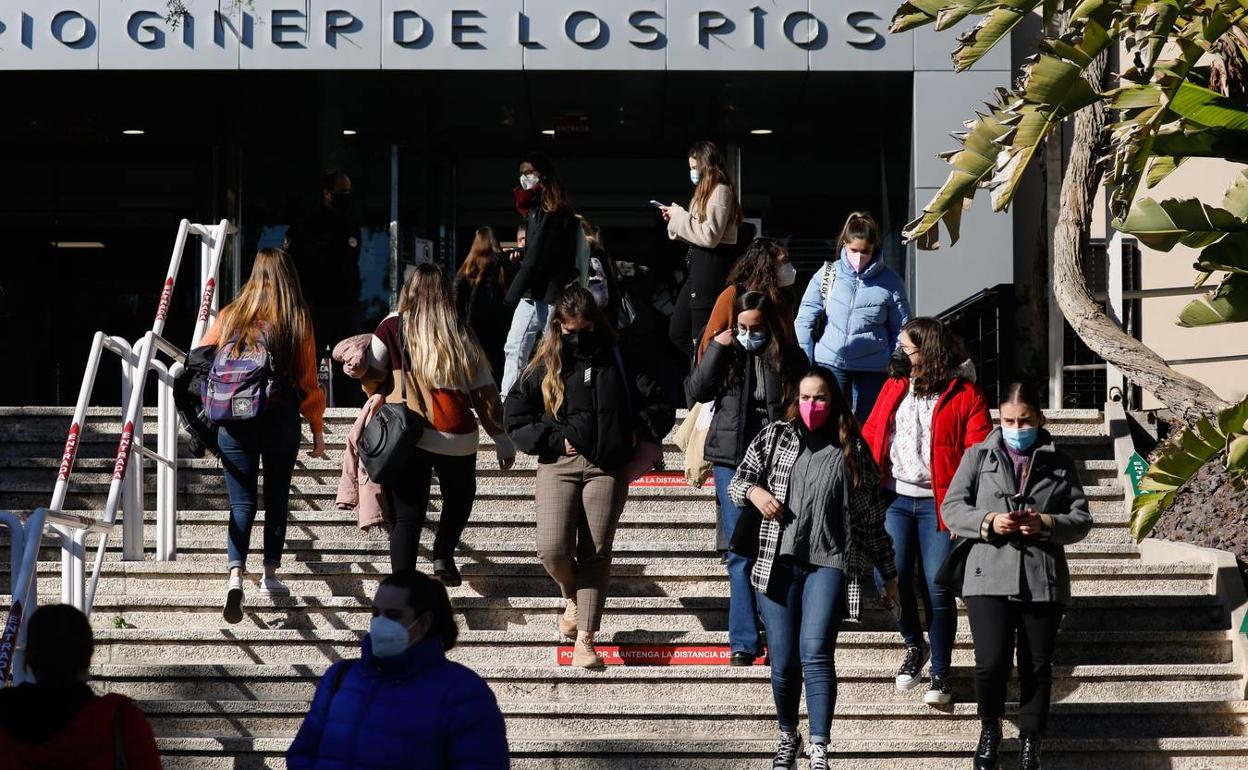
(911, 524)
(802, 612)
(271, 440)
(742, 609)
(409, 500)
(861, 389)
(995, 623)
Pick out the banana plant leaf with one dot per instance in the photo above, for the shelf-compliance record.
(1163, 225)
(1179, 460)
(1209, 108)
(1187, 142)
(992, 29)
(1229, 254)
(1227, 304)
(1236, 198)
(915, 13)
(1161, 167)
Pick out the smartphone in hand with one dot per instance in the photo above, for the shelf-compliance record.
(657, 204)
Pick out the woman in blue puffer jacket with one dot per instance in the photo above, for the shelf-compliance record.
(403, 705)
(860, 305)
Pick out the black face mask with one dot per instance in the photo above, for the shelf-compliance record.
(584, 342)
(899, 364)
(340, 201)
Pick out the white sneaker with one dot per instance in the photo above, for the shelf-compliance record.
(233, 611)
(271, 586)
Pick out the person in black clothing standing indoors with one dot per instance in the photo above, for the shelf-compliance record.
(325, 247)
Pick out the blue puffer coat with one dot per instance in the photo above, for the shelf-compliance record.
(414, 710)
(865, 313)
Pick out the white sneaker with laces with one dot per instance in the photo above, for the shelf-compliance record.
(818, 753)
(271, 586)
(233, 611)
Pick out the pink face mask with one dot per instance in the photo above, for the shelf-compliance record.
(814, 414)
(857, 260)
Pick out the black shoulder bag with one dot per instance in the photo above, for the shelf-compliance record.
(389, 440)
(745, 536)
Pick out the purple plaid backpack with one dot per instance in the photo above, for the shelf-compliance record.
(240, 387)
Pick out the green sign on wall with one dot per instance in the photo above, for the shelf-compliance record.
(1136, 468)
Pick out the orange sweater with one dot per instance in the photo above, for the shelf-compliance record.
(313, 404)
(721, 319)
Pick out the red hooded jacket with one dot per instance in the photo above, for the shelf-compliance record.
(44, 729)
(961, 421)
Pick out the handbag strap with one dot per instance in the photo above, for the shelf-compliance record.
(829, 283)
(119, 743)
(403, 372)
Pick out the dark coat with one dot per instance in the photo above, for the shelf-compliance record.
(726, 439)
(982, 485)
(417, 709)
(481, 307)
(325, 247)
(549, 261)
(599, 416)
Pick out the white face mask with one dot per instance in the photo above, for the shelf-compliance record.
(529, 181)
(694, 176)
(389, 638)
(786, 275)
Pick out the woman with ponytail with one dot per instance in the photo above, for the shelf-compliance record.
(851, 314)
(812, 478)
(581, 407)
(449, 385)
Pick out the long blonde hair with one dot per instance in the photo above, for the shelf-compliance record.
(441, 352)
(571, 303)
(481, 256)
(272, 296)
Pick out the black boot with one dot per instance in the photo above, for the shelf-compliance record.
(989, 743)
(1029, 753)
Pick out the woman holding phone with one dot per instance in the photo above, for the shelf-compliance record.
(709, 226)
(1018, 499)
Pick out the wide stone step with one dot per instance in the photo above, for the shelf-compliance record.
(679, 684)
(522, 544)
(528, 719)
(699, 753)
(689, 578)
(623, 613)
(229, 645)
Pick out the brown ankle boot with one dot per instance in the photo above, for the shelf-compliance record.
(584, 654)
(567, 621)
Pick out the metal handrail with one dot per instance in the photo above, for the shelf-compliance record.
(125, 492)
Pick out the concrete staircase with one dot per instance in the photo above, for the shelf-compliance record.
(1150, 670)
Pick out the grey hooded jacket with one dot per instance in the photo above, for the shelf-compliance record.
(1032, 568)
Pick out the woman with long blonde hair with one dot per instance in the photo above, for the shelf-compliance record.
(448, 378)
(480, 288)
(269, 317)
(581, 406)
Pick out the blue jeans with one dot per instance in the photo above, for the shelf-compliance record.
(861, 389)
(911, 523)
(272, 439)
(742, 610)
(802, 612)
(527, 324)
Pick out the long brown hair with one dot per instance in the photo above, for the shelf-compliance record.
(571, 303)
(483, 255)
(777, 338)
(840, 414)
(442, 352)
(859, 226)
(554, 194)
(938, 355)
(272, 296)
(756, 269)
(714, 171)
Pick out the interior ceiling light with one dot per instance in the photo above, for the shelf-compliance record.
(548, 131)
(761, 132)
(133, 132)
(77, 245)
(349, 132)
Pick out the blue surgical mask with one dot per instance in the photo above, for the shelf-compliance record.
(751, 341)
(1019, 439)
(388, 638)
(694, 176)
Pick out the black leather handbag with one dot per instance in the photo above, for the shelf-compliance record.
(952, 573)
(389, 440)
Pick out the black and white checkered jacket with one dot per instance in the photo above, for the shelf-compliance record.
(769, 463)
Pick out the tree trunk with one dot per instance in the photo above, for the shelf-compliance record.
(1187, 398)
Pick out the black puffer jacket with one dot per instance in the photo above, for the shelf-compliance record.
(726, 440)
(549, 261)
(595, 416)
